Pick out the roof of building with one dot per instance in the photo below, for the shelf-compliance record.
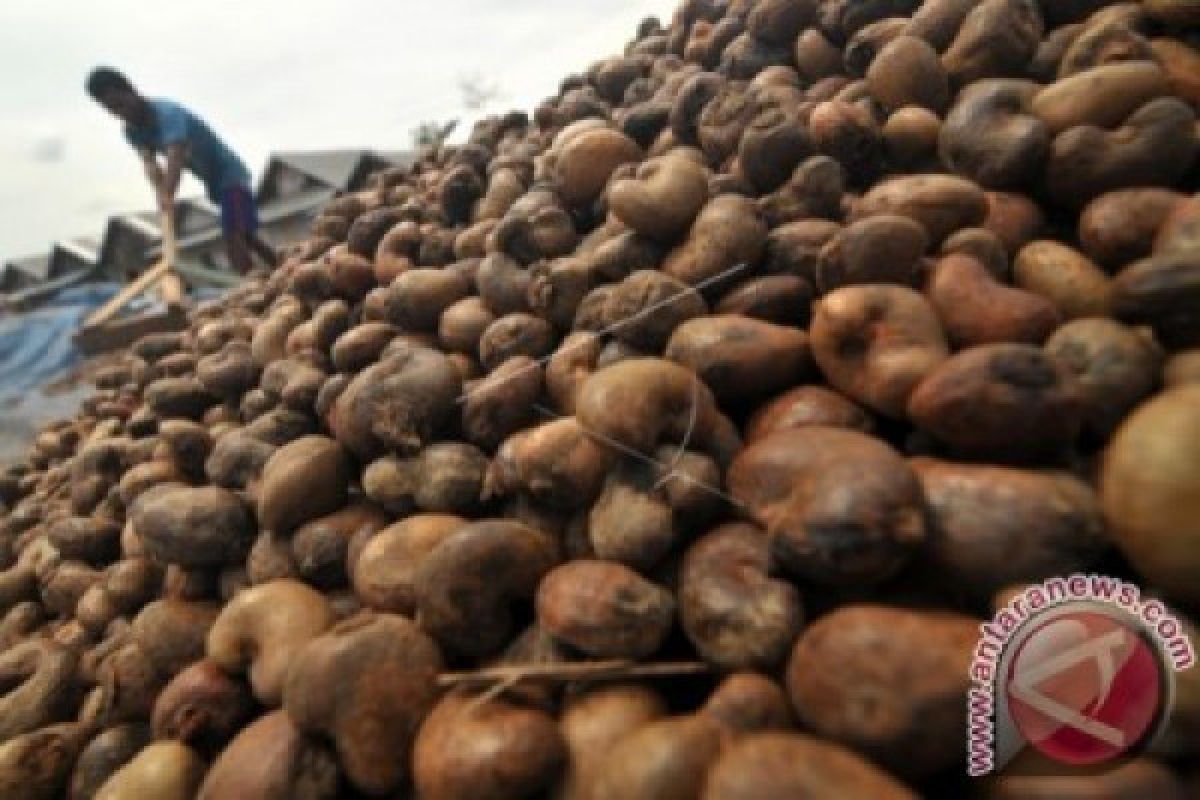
(131, 239)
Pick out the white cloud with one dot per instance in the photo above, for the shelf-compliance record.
(268, 75)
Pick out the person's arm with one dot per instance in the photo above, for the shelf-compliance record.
(169, 180)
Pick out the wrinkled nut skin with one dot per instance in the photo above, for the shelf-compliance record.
(876, 343)
(995, 40)
(840, 507)
(37, 765)
(399, 403)
(39, 680)
(559, 464)
(193, 527)
(797, 765)
(168, 770)
(366, 684)
(732, 610)
(648, 306)
(595, 720)
(667, 759)
(604, 609)
(469, 749)
(302, 480)
(641, 401)
(105, 754)
(992, 527)
(990, 137)
(320, 549)
(262, 629)
(1009, 402)
(203, 707)
(887, 682)
(739, 358)
(976, 309)
(1116, 366)
(272, 760)
(465, 586)
(1148, 488)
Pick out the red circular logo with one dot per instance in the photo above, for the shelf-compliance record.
(1086, 687)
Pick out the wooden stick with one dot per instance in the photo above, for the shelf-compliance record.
(578, 671)
(171, 287)
(134, 288)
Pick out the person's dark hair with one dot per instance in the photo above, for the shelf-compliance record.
(103, 80)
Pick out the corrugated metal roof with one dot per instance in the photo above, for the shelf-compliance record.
(331, 167)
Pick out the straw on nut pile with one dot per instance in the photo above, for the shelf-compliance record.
(670, 442)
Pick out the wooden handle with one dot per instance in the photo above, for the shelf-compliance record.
(167, 222)
(135, 287)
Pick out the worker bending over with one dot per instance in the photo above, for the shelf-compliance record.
(156, 126)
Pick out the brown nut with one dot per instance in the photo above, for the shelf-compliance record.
(303, 480)
(272, 760)
(105, 754)
(876, 343)
(976, 309)
(807, 405)
(1116, 367)
(797, 765)
(366, 684)
(1119, 227)
(170, 633)
(727, 234)
(995, 40)
(824, 524)
(168, 770)
(663, 198)
(739, 358)
(1148, 487)
(733, 612)
(747, 702)
(262, 629)
(1102, 96)
(40, 687)
(472, 749)
(888, 682)
(667, 759)
(585, 163)
(193, 527)
(943, 204)
(604, 609)
(1065, 277)
(1163, 292)
(501, 403)
(645, 309)
(592, 723)
(202, 707)
(991, 137)
(996, 526)
(1009, 402)
(383, 574)
(467, 584)
(558, 463)
(907, 73)
(885, 248)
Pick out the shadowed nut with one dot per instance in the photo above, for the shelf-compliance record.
(261, 630)
(604, 609)
(193, 527)
(996, 40)
(890, 683)
(1163, 292)
(991, 137)
(977, 309)
(270, 759)
(202, 706)
(595, 720)
(840, 507)
(733, 612)
(105, 754)
(39, 682)
(797, 765)
(906, 72)
(885, 248)
(384, 573)
(303, 480)
(366, 684)
(466, 585)
(1009, 402)
(170, 633)
(667, 759)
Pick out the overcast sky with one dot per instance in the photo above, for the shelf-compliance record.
(267, 75)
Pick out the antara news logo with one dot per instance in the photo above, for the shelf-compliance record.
(1080, 668)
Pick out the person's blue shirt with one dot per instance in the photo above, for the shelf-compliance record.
(208, 158)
